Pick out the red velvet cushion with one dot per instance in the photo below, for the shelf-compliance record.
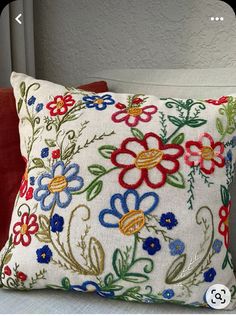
(11, 161)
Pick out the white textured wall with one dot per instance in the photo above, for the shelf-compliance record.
(77, 37)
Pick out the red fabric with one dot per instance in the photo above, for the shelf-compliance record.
(11, 161)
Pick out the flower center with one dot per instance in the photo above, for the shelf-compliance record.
(152, 245)
(207, 153)
(135, 111)
(132, 222)
(57, 184)
(148, 159)
(226, 222)
(24, 229)
(60, 104)
(99, 101)
(168, 220)
(43, 255)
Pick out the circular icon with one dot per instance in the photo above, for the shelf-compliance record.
(218, 296)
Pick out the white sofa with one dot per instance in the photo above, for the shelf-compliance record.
(182, 83)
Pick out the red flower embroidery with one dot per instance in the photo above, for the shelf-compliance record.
(206, 153)
(7, 270)
(56, 154)
(219, 101)
(223, 227)
(21, 276)
(29, 193)
(147, 160)
(60, 104)
(24, 229)
(132, 115)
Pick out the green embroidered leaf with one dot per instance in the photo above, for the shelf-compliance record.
(109, 279)
(137, 133)
(118, 262)
(38, 162)
(106, 151)
(174, 120)
(38, 131)
(43, 234)
(175, 269)
(176, 180)
(135, 289)
(96, 170)
(219, 126)
(225, 197)
(7, 259)
(50, 142)
(68, 152)
(94, 190)
(96, 256)
(19, 105)
(22, 89)
(135, 277)
(116, 287)
(196, 122)
(65, 283)
(178, 139)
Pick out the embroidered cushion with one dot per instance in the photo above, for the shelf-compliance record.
(11, 161)
(128, 195)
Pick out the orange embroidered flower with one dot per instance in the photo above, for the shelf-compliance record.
(206, 153)
(24, 229)
(147, 160)
(60, 104)
(223, 227)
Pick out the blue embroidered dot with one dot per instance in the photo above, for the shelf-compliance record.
(151, 245)
(44, 152)
(44, 254)
(217, 245)
(39, 107)
(32, 180)
(56, 223)
(168, 220)
(209, 275)
(31, 100)
(168, 294)
(229, 156)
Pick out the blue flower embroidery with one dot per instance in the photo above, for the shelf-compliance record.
(217, 244)
(32, 180)
(168, 294)
(98, 102)
(176, 247)
(229, 156)
(58, 185)
(44, 254)
(90, 286)
(56, 223)
(209, 275)
(130, 201)
(168, 220)
(31, 100)
(39, 107)
(44, 152)
(151, 245)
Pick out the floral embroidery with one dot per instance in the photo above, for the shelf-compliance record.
(209, 275)
(45, 152)
(151, 245)
(206, 153)
(177, 247)
(56, 154)
(147, 160)
(128, 211)
(29, 194)
(220, 101)
(44, 254)
(21, 276)
(57, 186)
(223, 227)
(134, 112)
(39, 107)
(24, 229)
(60, 104)
(168, 220)
(7, 270)
(56, 223)
(168, 294)
(217, 245)
(98, 102)
(32, 100)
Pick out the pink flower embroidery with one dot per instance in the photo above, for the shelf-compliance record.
(206, 153)
(134, 114)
